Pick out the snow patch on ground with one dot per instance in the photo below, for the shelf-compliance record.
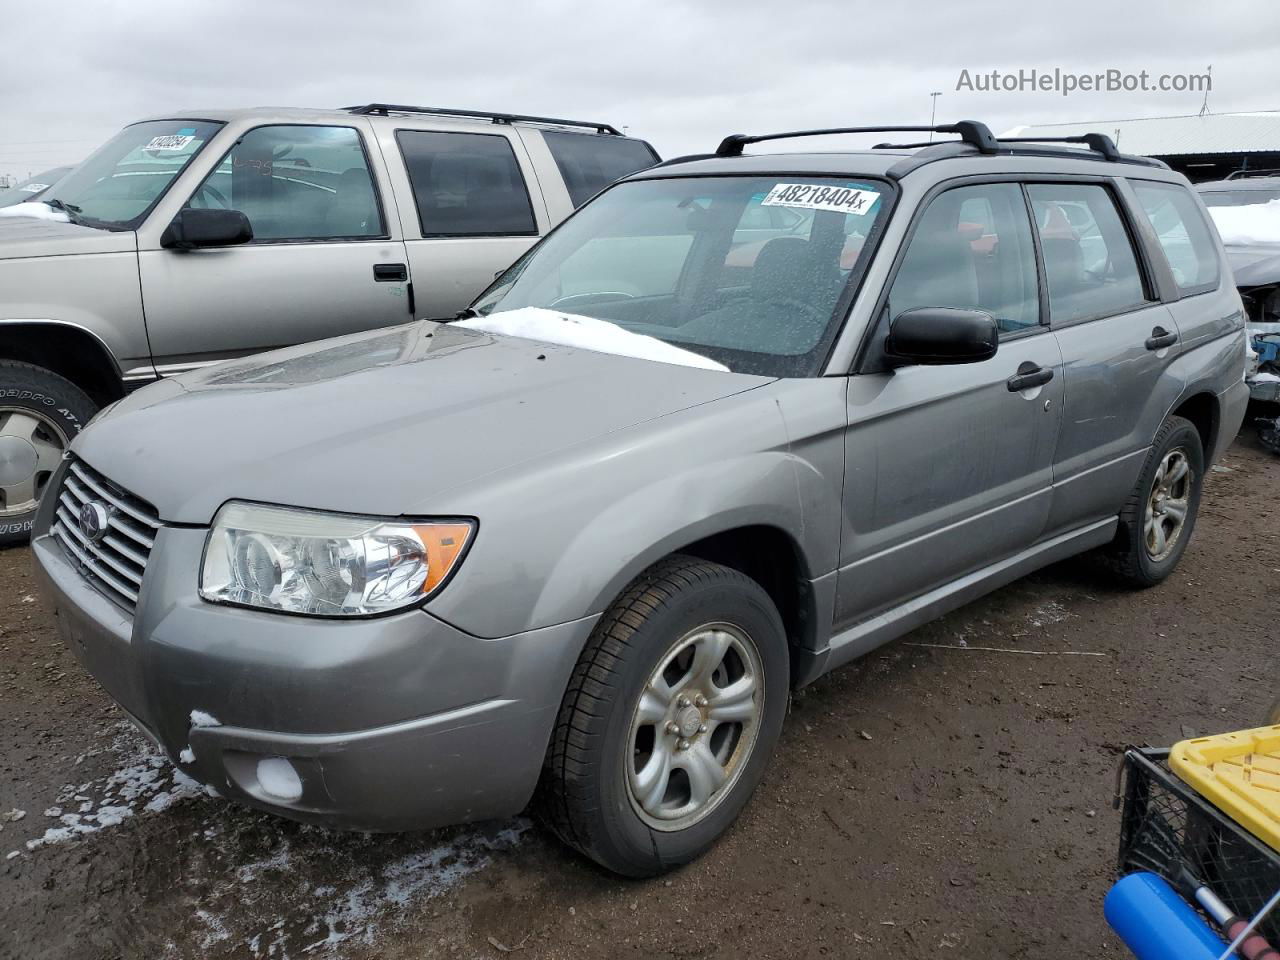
(35, 210)
(145, 783)
(1049, 612)
(1255, 223)
(588, 333)
(318, 919)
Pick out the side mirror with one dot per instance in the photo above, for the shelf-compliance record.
(193, 228)
(937, 335)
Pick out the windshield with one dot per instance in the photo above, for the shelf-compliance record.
(1239, 198)
(746, 271)
(120, 183)
(33, 188)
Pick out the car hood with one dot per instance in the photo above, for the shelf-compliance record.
(33, 237)
(1254, 264)
(377, 423)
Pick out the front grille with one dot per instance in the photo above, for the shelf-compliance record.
(115, 563)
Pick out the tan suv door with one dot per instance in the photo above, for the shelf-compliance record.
(469, 206)
(326, 257)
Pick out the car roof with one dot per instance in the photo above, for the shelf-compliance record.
(345, 115)
(937, 161)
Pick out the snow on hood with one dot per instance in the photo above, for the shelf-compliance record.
(1256, 223)
(588, 333)
(36, 210)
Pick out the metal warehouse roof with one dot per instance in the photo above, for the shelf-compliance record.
(1170, 136)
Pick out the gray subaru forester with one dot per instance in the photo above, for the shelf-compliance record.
(739, 420)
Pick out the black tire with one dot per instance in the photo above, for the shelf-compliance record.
(62, 408)
(1128, 556)
(583, 795)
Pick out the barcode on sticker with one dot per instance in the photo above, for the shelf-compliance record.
(812, 196)
(171, 142)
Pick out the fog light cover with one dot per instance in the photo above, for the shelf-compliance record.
(278, 780)
(321, 564)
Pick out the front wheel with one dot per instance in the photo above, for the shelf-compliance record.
(670, 718)
(1160, 515)
(40, 412)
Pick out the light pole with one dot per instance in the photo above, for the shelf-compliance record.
(933, 110)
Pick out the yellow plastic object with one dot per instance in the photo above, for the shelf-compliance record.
(1239, 773)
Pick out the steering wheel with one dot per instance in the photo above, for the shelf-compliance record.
(603, 296)
(219, 201)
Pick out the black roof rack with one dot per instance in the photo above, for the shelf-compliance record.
(970, 131)
(1098, 142)
(383, 109)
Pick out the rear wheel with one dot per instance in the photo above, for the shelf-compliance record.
(40, 412)
(669, 720)
(1158, 519)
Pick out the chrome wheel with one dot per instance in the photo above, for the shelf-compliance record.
(694, 726)
(1168, 503)
(31, 447)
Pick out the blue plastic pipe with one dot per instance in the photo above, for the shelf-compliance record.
(1156, 924)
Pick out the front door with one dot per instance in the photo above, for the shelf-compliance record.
(326, 256)
(949, 467)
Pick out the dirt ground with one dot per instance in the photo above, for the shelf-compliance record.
(923, 802)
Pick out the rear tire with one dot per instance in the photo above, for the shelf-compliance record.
(1159, 517)
(40, 413)
(670, 718)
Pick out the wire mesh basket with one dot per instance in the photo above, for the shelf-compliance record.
(1170, 830)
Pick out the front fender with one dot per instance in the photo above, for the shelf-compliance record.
(558, 540)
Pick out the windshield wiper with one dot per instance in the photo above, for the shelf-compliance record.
(70, 209)
(468, 313)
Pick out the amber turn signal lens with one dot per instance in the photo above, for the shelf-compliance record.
(445, 543)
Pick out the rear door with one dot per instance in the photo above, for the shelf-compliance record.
(468, 211)
(948, 467)
(326, 256)
(1117, 340)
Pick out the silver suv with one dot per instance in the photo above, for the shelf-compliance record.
(738, 421)
(184, 241)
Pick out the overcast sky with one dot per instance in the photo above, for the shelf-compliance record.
(680, 74)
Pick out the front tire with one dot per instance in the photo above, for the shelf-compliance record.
(670, 718)
(40, 413)
(1160, 515)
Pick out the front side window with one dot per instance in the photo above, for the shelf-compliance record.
(972, 250)
(693, 262)
(466, 184)
(119, 184)
(1183, 234)
(589, 162)
(1088, 257)
(297, 182)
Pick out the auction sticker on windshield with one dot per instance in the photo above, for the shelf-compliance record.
(171, 142)
(812, 196)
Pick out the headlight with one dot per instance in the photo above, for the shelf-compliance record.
(324, 564)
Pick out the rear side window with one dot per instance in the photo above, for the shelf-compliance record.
(1183, 234)
(972, 249)
(590, 162)
(466, 185)
(1088, 257)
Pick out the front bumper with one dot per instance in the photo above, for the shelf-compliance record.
(395, 723)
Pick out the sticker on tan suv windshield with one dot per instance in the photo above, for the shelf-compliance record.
(812, 196)
(171, 142)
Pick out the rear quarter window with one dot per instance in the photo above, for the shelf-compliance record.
(589, 162)
(1184, 236)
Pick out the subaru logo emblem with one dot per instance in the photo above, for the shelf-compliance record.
(94, 517)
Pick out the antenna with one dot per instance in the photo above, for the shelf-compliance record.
(1208, 88)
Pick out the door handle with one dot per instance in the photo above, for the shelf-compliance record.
(1161, 338)
(1028, 377)
(390, 272)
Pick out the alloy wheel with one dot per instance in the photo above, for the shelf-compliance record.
(31, 446)
(694, 726)
(1168, 504)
